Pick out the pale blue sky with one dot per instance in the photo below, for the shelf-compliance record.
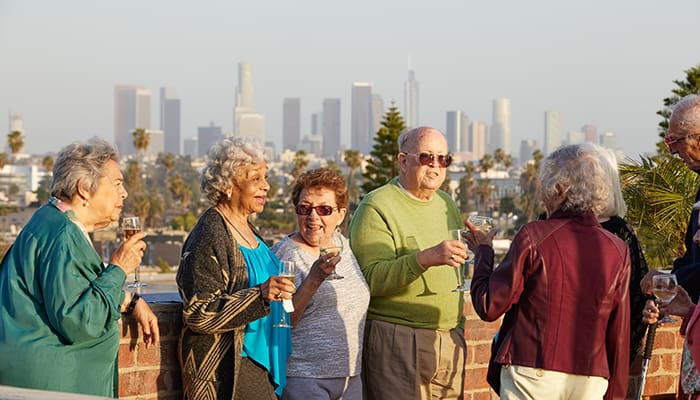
(604, 62)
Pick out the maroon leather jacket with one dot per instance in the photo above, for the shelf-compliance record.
(563, 287)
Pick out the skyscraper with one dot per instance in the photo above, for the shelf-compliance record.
(132, 110)
(527, 147)
(453, 131)
(500, 125)
(330, 127)
(170, 119)
(477, 138)
(246, 121)
(291, 123)
(590, 132)
(360, 117)
(410, 95)
(377, 116)
(552, 131)
(207, 136)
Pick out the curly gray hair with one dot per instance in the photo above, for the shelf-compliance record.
(225, 158)
(80, 162)
(576, 169)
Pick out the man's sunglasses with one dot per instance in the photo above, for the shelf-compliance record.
(305, 209)
(443, 160)
(670, 140)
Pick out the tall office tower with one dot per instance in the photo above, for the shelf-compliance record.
(207, 136)
(156, 143)
(552, 131)
(453, 130)
(377, 115)
(527, 147)
(500, 125)
(360, 117)
(15, 122)
(330, 127)
(316, 120)
(291, 123)
(477, 139)
(590, 133)
(246, 121)
(132, 110)
(410, 96)
(575, 137)
(170, 119)
(608, 140)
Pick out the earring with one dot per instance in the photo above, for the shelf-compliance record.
(229, 195)
(86, 203)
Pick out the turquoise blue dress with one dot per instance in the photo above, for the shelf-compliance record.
(59, 309)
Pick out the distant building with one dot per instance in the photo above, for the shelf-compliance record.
(247, 122)
(190, 147)
(478, 133)
(527, 147)
(312, 144)
(376, 117)
(330, 127)
(552, 131)
(132, 110)
(410, 93)
(170, 120)
(360, 117)
(609, 140)
(500, 126)
(291, 122)
(457, 131)
(156, 143)
(316, 121)
(590, 133)
(207, 136)
(575, 137)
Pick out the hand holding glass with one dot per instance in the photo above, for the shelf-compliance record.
(484, 224)
(458, 234)
(131, 226)
(664, 287)
(332, 244)
(286, 270)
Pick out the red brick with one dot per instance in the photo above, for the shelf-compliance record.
(660, 384)
(475, 378)
(127, 357)
(138, 382)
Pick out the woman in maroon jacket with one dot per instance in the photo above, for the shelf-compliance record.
(563, 287)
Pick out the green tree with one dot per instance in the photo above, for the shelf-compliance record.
(299, 164)
(47, 162)
(659, 189)
(465, 191)
(382, 165)
(167, 160)
(353, 159)
(142, 139)
(15, 140)
(3, 159)
(483, 187)
(529, 185)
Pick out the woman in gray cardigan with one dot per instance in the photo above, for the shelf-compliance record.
(228, 348)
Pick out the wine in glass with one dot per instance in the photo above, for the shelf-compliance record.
(484, 224)
(458, 234)
(131, 226)
(664, 287)
(286, 270)
(332, 244)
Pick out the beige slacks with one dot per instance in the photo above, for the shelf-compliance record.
(526, 383)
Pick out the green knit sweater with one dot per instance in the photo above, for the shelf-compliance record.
(387, 231)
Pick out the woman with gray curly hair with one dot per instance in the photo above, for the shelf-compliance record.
(228, 348)
(60, 305)
(563, 287)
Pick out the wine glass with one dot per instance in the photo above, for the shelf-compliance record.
(131, 226)
(285, 270)
(332, 244)
(458, 234)
(484, 224)
(664, 287)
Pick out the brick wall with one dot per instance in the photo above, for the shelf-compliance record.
(154, 373)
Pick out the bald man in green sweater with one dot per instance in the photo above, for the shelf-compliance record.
(414, 344)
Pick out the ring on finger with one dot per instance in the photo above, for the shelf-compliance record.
(452, 257)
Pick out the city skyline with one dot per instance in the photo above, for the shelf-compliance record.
(603, 64)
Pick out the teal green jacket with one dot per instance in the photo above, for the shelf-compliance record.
(387, 231)
(59, 310)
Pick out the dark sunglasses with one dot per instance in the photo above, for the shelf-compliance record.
(305, 209)
(670, 140)
(444, 160)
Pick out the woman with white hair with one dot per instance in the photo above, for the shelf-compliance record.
(563, 288)
(228, 347)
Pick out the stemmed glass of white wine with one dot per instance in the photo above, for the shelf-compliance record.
(665, 287)
(458, 234)
(286, 270)
(332, 244)
(131, 226)
(484, 224)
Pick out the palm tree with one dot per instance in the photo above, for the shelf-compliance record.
(47, 162)
(142, 138)
(353, 158)
(15, 141)
(484, 189)
(300, 163)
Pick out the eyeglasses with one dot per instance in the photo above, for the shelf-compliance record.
(444, 160)
(305, 209)
(670, 140)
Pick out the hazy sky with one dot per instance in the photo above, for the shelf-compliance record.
(603, 62)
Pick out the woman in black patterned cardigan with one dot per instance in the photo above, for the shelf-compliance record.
(228, 348)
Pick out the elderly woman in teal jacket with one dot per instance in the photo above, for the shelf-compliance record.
(59, 303)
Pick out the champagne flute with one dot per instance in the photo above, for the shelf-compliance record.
(131, 226)
(458, 234)
(332, 244)
(484, 224)
(664, 288)
(286, 270)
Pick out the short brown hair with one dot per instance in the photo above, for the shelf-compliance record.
(324, 177)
